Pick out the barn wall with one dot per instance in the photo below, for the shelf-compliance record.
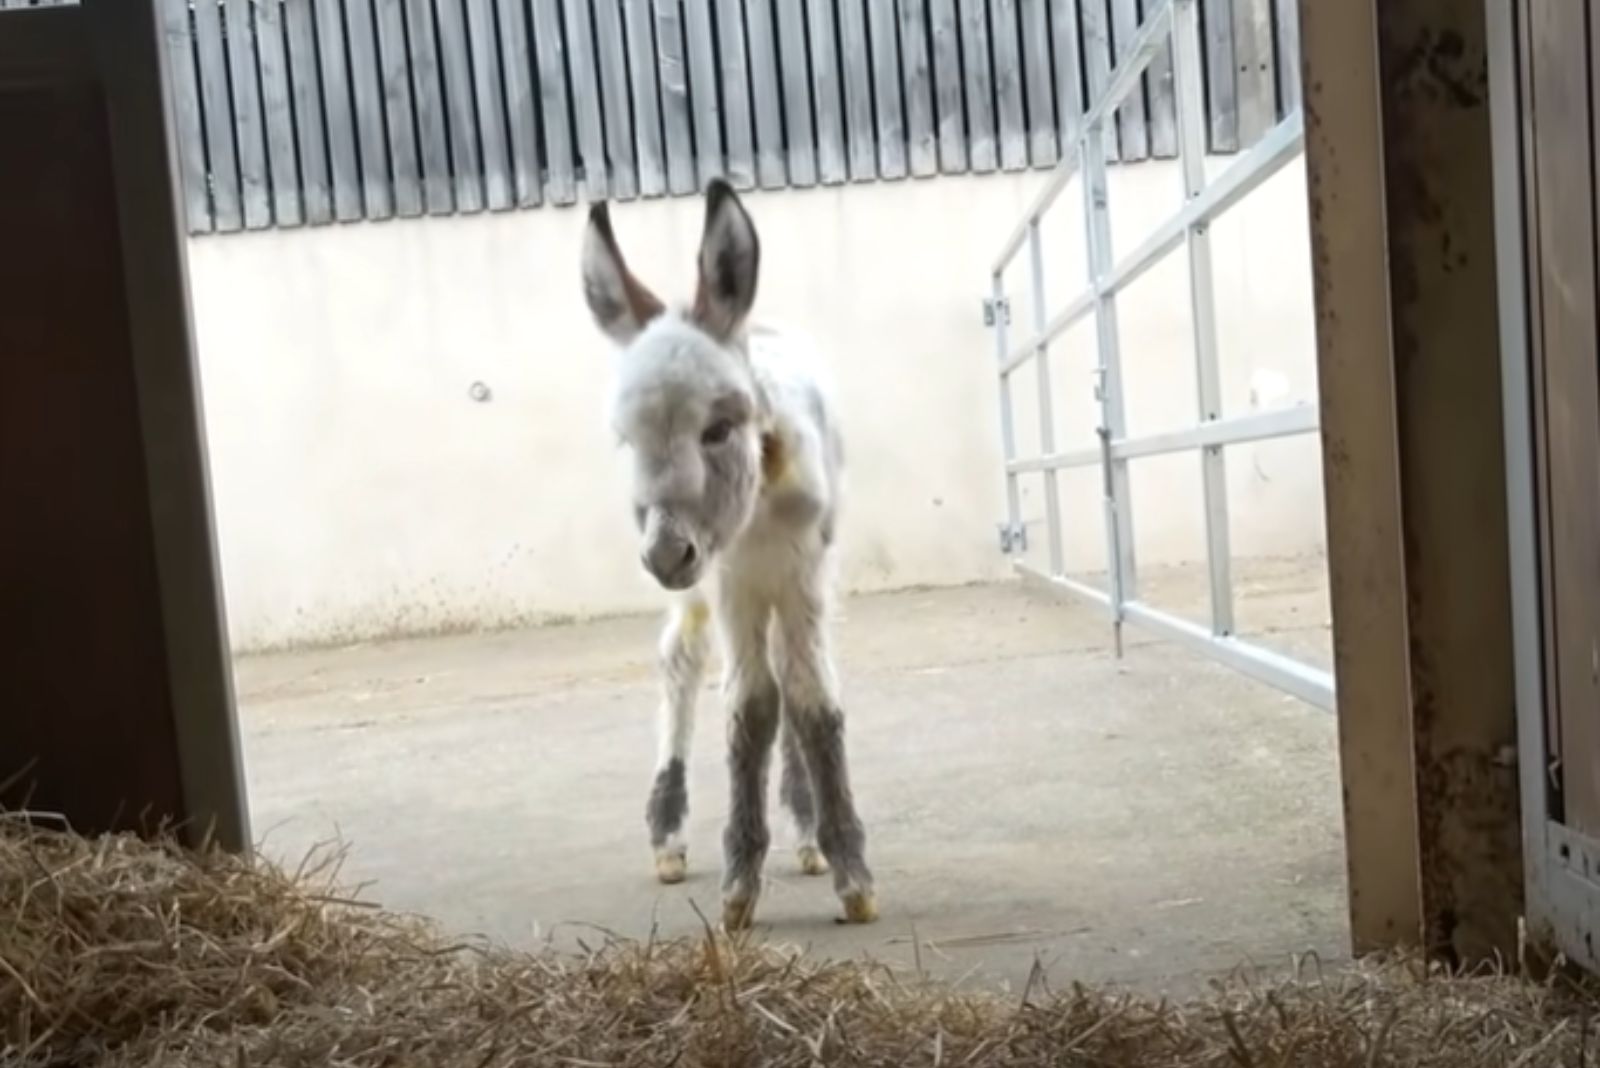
(362, 491)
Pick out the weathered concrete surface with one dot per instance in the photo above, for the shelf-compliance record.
(1154, 822)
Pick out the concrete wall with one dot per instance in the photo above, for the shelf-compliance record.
(362, 490)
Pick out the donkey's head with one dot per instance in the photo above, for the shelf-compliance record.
(686, 403)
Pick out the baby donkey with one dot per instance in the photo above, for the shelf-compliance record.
(736, 481)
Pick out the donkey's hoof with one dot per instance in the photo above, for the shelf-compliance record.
(812, 862)
(671, 867)
(860, 906)
(738, 914)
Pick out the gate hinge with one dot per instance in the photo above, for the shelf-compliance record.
(1013, 538)
(991, 305)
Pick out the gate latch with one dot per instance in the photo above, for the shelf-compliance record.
(996, 307)
(1013, 538)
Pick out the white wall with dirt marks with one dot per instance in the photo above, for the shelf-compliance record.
(407, 425)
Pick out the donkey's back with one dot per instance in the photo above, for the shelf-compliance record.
(803, 451)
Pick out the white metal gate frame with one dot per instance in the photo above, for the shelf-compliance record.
(1561, 865)
(1177, 21)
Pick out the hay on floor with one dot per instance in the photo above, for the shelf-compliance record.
(119, 953)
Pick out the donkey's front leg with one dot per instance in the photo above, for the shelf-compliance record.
(683, 657)
(753, 708)
(811, 707)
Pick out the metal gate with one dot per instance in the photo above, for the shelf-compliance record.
(1174, 23)
(1547, 228)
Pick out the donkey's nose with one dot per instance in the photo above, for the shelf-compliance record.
(671, 560)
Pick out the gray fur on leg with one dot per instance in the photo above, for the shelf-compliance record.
(669, 803)
(794, 786)
(839, 830)
(794, 790)
(751, 732)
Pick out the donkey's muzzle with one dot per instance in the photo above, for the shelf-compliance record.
(671, 557)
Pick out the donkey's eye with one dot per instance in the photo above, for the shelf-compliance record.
(717, 433)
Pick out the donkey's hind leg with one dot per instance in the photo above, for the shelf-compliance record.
(794, 788)
(684, 642)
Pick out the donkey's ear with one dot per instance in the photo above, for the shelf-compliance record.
(730, 260)
(620, 303)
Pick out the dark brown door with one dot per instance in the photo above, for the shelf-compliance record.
(115, 697)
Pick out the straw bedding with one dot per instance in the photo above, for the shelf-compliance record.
(115, 952)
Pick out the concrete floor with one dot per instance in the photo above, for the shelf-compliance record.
(1154, 822)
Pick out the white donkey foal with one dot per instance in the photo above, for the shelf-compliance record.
(736, 484)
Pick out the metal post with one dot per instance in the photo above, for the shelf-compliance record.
(1113, 421)
(1047, 432)
(1008, 434)
(1189, 72)
(1533, 744)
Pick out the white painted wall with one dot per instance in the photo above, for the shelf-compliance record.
(361, 490)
